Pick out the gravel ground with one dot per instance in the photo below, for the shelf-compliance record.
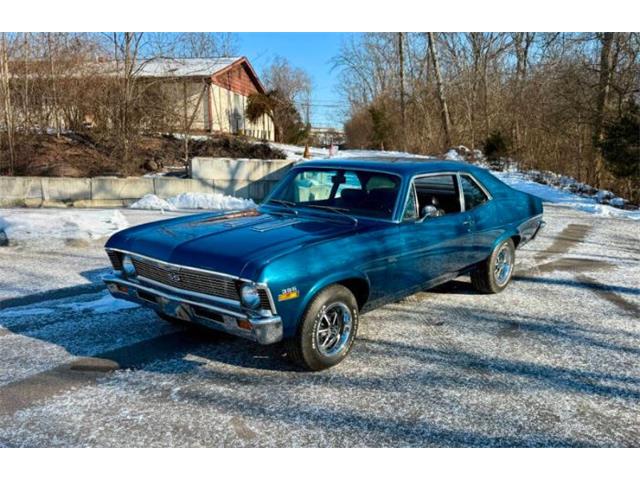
(554, 360)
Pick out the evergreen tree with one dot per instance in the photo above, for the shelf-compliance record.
(621, 144)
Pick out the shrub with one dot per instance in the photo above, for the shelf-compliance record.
(496, 145)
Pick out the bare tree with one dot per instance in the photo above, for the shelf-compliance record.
(604, 85)
(207, 44)
(446, 119)
(287, 101)
(54, 81)
(5, 92)
(522, 43)
(403, 123)
(550, 96)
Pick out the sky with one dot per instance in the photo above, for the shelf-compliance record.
(310, 51)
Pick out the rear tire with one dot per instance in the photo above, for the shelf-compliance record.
(327, 330)
(494, 274)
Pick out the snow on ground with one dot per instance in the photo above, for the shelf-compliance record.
(521, 181)
(104, 304)
(193, 201)
(25, 226)
(152, 202)
(603, 203)
(453, 155)
(295, 152)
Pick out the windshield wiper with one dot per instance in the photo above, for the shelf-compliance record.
(336, 210)
(285, 203)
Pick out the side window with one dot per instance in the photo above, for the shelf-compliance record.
(411, 211)
(473, 194)
(439, 191)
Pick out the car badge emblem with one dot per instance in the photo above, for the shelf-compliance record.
(288, 294)
(174, 277)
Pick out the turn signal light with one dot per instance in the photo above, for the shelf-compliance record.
(244, 324)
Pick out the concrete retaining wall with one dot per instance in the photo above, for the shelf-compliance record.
(238, 177)
(91, 192)
(247, 178)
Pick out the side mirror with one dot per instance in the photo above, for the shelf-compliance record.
(428, 212)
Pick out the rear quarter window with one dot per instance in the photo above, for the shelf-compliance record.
(474, 196)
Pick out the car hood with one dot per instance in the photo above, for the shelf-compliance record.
(236, 243)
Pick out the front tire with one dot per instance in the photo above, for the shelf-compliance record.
(494, 274)
(327, 331)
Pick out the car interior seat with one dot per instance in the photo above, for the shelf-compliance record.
(436, 203)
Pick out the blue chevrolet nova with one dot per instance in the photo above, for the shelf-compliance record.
(334, 239)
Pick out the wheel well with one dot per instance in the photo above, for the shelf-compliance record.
(516, 240)
(359, 288)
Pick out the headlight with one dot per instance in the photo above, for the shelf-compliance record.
(250, 296)
(127, 266)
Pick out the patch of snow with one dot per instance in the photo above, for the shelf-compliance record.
(152, 202)
(210, 201)
(453, 155)
(105, 304)
(617, 202)
(174, 67)
(194, 201)
(23, 226)
(199, 138)
(604, 210)
(603, 196)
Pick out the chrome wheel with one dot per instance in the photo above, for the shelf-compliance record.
(503, 265)
(333, 329)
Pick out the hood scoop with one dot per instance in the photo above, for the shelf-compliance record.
(230, 218)
(265, 227)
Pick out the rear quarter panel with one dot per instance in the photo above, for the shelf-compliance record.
(510, 213)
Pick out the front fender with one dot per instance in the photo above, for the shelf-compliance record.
(330, 280)
(292, 310)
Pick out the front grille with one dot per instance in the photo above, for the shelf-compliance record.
(264, 300)
(187, 279)
(116, 260)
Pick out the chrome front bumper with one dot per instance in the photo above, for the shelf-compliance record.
(262, 329)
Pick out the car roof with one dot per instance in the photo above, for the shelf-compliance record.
(400, 165)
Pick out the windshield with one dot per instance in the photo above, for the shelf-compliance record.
(354, 192)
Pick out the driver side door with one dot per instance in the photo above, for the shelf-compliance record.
(437, 247)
